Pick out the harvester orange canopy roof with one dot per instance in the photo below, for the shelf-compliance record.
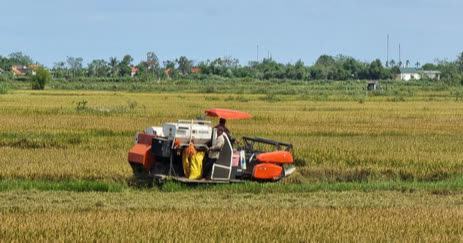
(227, 114)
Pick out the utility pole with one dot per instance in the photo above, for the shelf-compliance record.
(387, 58)
(400, 61)
(258, 51)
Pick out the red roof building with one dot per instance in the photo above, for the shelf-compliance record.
(134, 71)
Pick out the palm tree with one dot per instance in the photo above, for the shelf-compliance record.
(406, 63)
(113, 63)
(417, 64)
(392, 62)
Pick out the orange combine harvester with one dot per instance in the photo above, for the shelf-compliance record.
(177, 150)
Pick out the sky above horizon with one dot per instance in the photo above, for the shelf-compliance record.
(50, 30)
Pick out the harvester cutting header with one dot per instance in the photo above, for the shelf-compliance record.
(194, 151)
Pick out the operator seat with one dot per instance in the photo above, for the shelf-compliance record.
(221, 170)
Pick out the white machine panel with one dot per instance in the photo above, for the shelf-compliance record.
(155, 131)
(200, 134)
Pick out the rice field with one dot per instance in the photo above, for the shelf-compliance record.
(56, 135)
(378, 168)
(218, 216)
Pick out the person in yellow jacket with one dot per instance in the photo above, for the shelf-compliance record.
(214, 153)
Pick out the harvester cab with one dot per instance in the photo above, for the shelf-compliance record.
(177, 150)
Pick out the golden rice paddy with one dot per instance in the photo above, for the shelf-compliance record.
(85, 135)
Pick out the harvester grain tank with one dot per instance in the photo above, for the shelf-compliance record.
(159, 152)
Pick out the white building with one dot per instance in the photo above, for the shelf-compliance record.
(416, 73)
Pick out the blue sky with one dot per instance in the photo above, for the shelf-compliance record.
(51, 30)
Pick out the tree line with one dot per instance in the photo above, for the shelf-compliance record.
(325, 68)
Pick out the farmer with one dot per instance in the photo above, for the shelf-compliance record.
(225, 129)
(214, 153)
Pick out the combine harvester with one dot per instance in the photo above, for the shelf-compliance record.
(159, 153)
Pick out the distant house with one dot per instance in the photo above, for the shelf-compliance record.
(22, 70)
(167, 71)
(195, 70)
(371, 85)
(134, 71)
(416, 73)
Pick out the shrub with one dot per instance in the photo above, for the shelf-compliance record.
(209, 89)
(81, 105)
(3, 77)
(3, 88)
(41, 77)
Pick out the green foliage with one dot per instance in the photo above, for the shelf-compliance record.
(238, 98)
(361, 99)
(4, 77)
(429, 66)
(125, 66)
(325, 68)
(376, 69)
(98, 68)
(20, 58)
(172, 186)
(459, 62)
(75, 65)
(209, 89)
(81, 105)
(113, 64)
(3, 88)
(40, 79)
(184, 65)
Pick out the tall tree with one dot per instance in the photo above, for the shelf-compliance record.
(184, 65)
(75, 64)
(169, 64)
(417, 64)
(59, 69)
(98, 67)
(429, 66)
(20, 58)
(125, 66)
(351, 66)
(152, 62)
(325, 60)
(325, 66)
(6, 63)
(113, 64)
(459, 62)
(376, 69)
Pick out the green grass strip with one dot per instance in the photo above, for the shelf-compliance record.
(449, 185)
(453, 184)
